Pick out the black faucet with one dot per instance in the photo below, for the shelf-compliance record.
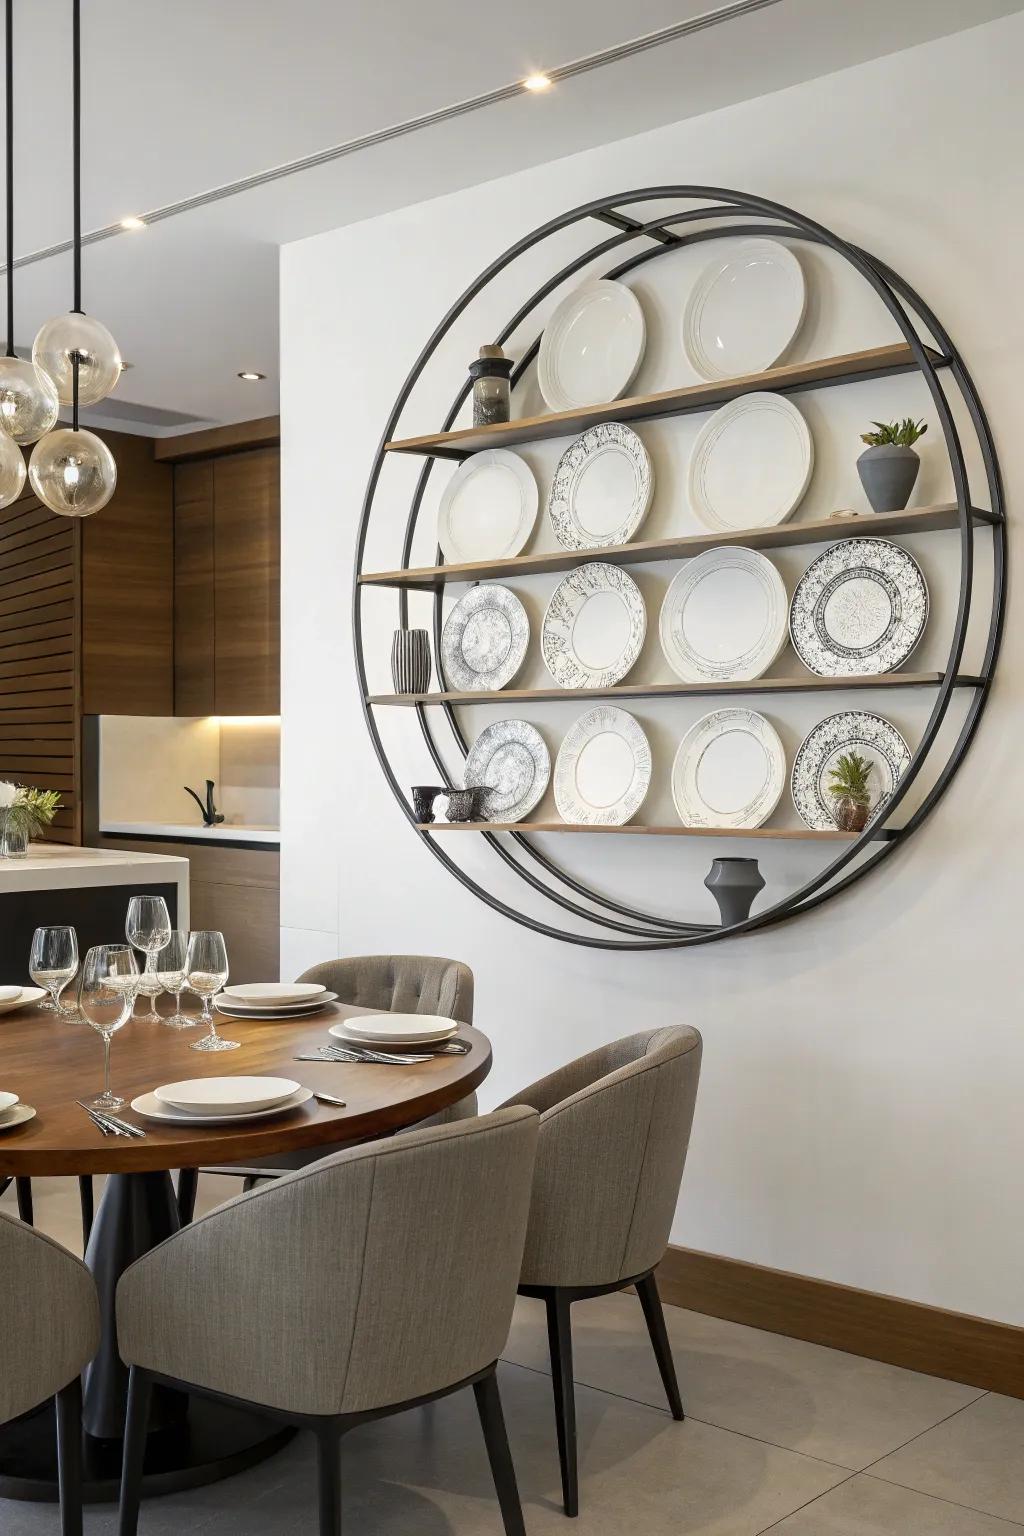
(211, 816)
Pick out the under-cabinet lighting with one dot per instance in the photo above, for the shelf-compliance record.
(537, 82)
(245, 719)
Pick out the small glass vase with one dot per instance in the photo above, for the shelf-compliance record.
(13, 839)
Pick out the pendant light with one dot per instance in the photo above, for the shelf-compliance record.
(73, 471)
(28, 399)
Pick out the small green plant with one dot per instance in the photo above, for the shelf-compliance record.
(29, 810)
(901, 434)
(850, 778)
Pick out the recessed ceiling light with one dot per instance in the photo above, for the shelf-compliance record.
(251, 377)
(134, 222)
(537, 82)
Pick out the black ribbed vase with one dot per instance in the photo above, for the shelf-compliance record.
(734, 883)
(410, 661)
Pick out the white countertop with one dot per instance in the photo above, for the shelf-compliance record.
(53, 866)
(192, 832)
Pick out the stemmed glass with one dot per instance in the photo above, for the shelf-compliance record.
(149, 928)
(106, 996)
(52, 963)
(170, 972)
(206, 971)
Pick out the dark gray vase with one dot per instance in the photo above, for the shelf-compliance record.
(734, 883)
(887, 474)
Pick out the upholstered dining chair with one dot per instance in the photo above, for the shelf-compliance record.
(373, 1281)
(51, 1331)
(614, 1130)
(393, 984)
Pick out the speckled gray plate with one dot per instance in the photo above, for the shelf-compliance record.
(484, 640)
(511, 760)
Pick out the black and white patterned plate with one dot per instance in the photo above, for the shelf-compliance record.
(859, 608)
(850, 730)
(510, 758)
(594, 627)
(485, 638)
(602, 488)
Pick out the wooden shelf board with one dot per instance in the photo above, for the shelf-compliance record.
(791, 834)
(819, 530)
(763, 685)
(874, 363)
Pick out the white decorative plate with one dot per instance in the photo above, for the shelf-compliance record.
(266, 993)
(851, 730)
(751, 464)
(603, 769)
(488, 508)
(724, 617)
(511, 759)
(745, 308)
(150, 1108)
(602, 488)
(859, 608)
(591, 346)
(729, 771)
(226, 1095)
(485, 638)
(594, 627)
(16, 1115)
(396, 1029)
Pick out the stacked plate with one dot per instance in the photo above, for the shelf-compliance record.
(221, 1100)
(12, 1112)
(395, 1029)
(273, 999)
(19, 997)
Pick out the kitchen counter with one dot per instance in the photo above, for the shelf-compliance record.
(191, 832)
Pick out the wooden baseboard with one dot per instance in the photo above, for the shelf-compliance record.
(953, 1345)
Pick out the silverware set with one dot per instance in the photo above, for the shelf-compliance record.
(111, 1125)
(363, 1053)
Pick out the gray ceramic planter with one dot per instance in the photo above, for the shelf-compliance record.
(887, 474)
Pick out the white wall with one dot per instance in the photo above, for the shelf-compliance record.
(860, 1111)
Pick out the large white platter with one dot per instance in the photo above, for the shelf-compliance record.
(744, 310)
(851, 730)
(594, 627)
(510, 757)
(591, 346)
(396, 1029)
(751, 464)
(265, 994)
(602, 488)
(603, 769)
(150, 1108)
(488, 508)
(729, 771)
(725, 616)
(859, 608)
(226, 1095)
(485, 639)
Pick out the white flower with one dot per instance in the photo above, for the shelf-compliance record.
(8, 795)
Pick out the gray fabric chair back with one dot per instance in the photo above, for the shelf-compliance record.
(51, 1317)
(614, 1130)
(400, 984)
(384, 1273)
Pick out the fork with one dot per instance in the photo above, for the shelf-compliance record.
(371, 1058)
(110, 1124)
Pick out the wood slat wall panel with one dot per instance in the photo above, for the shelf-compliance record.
(39, 645)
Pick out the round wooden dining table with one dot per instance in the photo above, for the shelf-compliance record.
(50, 1063)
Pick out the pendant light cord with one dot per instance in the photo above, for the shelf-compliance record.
(76, 157)
(10, 178)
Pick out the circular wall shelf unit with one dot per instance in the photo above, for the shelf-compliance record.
(678, 217)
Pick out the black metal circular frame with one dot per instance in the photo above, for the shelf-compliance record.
(670, 232)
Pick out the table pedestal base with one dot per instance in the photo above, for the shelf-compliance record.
(214, 1442)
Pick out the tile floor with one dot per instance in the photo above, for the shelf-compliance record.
(781, 1436)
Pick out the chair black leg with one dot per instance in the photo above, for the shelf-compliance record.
(140, 1390)
(85, 1195)
(24, 1188)
(328, 1477)
(188, 1186)
(560, 1345)
(492, 1422)
(647, 1290)
(69, 1457)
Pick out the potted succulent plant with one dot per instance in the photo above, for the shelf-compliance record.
(851, 791)
(24, 814)
(888, 466)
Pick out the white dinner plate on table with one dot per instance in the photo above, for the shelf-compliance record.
(16, 1115)
(25, 997)
(272, 1010)
(745, 308)
(591, 346)
(150, 1108)
(396, 1029)
(7, 1101)
(10, 994)
(263, 994)
(488, 508)
(226, 1095)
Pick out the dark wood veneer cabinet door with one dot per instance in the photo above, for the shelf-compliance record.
(193, 590)
(247, 538)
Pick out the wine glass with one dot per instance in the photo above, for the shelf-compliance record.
(149, 927)
(170, 972)
(106, 996)
(53, 961)
(206, 971)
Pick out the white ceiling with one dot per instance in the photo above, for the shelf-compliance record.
(180, 99)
